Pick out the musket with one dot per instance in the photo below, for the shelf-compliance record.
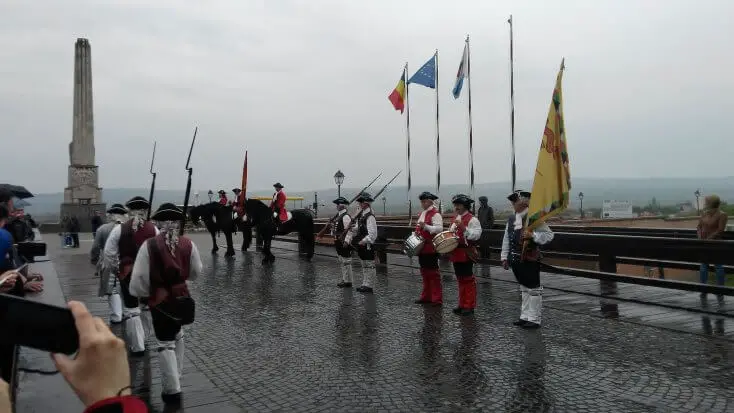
(152, 184)
(189, 169)
(354, 221)
(329, 223)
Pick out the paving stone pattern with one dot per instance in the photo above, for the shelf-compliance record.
(284, 338)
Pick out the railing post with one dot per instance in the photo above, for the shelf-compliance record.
(381, 256)
(608, 263)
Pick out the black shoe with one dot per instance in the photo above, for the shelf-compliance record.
(174, 399)
(364, 289)
(457, 310)
(530, 325)
(467, 311)
(344, 285)
(422, 301)
(520, 322)
(114, 323)
(137, 353)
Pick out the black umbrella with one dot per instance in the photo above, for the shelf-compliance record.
(17, 191)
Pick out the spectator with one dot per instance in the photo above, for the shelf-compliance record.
(6, 242)
(30, 220)
(73, 229)
(712, 225)
(96, 222)
(486, 219)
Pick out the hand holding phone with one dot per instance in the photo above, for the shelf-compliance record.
(100, 369)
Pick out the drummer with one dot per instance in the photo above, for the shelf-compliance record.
(468, 229)
(430, 223)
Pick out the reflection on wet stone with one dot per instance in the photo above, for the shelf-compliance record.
(530, 393)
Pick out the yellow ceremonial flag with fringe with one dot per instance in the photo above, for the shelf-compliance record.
(552, 183)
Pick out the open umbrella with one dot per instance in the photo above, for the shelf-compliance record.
(19, 203)
(17, 191)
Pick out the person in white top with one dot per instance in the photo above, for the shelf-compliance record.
(469, 230)
(429, 224)
(163, 267)
(339, 223)
(362, 236)
(524, 260)
(116, 215)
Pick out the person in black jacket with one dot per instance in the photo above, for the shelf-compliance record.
(96, 223)
(486, 219)
(73, 229)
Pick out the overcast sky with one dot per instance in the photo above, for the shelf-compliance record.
(303, 85)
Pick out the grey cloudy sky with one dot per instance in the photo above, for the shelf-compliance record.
(303, 86)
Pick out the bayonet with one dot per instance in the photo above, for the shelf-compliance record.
(386, 185)
(152, 184)
(188, 169)
(365, 188)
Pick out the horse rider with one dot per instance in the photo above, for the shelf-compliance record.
(429, 224)
(223, 197)
(521, 252)
(468, 229)
(277, 205)
(116, 215)
(364, 234)
(120, 252)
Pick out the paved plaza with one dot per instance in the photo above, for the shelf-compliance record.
(284, 338)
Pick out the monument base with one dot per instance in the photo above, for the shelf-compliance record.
(82, 212)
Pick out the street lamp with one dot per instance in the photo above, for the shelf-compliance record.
(384, 206)
(211, 194)
(698, 204)
(339, 180)
(581, 198)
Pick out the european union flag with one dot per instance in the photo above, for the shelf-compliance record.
(426, 75)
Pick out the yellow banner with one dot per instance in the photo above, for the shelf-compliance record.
(552, 183)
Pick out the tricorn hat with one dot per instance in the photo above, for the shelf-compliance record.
(117, 209)
(462, 199)
(341, 201)
(277, 185)
(236, 190)
(365, 197)
(427, 195)
(222, 191)
(513, 197)
(167, 212)
(137, 203)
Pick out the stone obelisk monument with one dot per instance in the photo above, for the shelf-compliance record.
(83, 196)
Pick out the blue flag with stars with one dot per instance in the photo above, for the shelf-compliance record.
(426, 75)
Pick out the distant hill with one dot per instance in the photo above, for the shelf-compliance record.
(667, 191)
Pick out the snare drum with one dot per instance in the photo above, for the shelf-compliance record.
(445, 242)
(413, 244)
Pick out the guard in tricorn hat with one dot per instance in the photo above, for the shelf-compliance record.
(116, 215)
(223, 197)
(121, 249)
(524, 259)
(163, 267)
(338, 224)
(277, 205)
(429, 224)
(363, 235)
(468, 229)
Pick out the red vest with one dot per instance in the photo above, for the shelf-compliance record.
(130, 242)
(168, 273)
(428, 245)
(460, 253)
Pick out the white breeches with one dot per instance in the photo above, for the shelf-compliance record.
(133, 329)
(532, 303)
(346, 267)
(115, 303)
(171, 355)
(369, 273)
(146, 319)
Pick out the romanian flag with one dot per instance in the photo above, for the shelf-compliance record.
(397, 97)
(552, 182)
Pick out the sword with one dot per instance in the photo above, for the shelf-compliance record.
(152, 184)
(188, 184)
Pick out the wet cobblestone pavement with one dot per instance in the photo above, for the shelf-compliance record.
(284, 338)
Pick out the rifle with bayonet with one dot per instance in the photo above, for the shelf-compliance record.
(330, 222)
(152, 184)
(189, 169)
(356, 218)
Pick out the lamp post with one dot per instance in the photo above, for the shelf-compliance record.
(698, 203)
(384, 206)
(211, 194)
(581, 198)
(339, 180)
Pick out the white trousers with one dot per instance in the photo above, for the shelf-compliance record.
(147, 320)
(369, 273)
(346, 267)
(115, 303)
(171, 355)
(133, 329)
(532, 303)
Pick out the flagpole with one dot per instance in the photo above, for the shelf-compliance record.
(471, 131)
(438, 137)
(407, 139)
(512, 105)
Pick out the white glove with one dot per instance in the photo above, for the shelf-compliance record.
(275, 215)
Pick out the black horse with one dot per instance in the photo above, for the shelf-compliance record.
(218, 218)
(261, 217)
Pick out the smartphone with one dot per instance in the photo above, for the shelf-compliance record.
(37, 325)
(23, 270)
